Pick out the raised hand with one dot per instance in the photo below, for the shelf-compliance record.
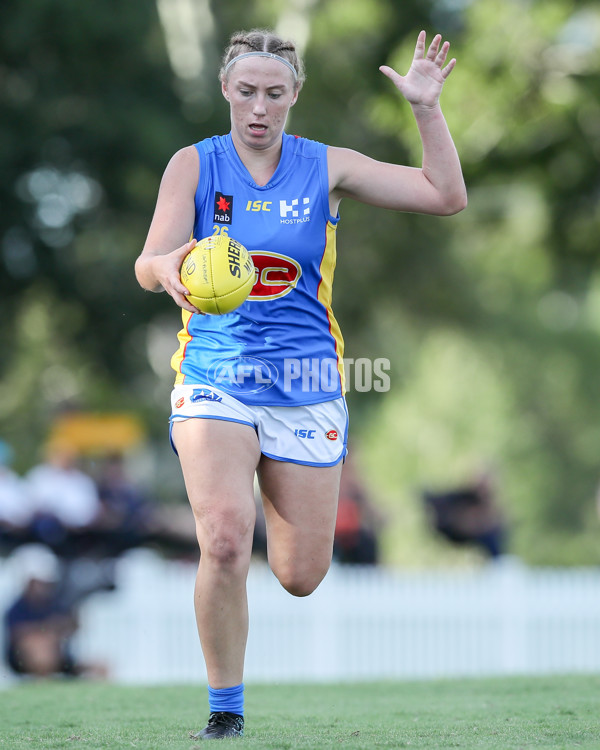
(423, 83)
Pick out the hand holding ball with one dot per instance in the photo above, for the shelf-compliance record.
(219, 274)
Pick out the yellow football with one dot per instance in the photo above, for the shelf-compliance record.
(219, 274)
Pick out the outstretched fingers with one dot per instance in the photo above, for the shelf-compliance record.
(449, 68)
(420, 47)
(440, 60)
(437, 53)
(434, 47)
(428, 71)
(396, 78)
(441, 56)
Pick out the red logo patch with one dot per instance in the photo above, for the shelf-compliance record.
(331, 435)
(180, 402)
(276, 275)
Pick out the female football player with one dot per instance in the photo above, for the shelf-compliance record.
(261, 390)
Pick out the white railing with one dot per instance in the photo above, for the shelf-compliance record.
(361, 624)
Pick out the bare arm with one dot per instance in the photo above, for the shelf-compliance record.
(438, 186)
(168, 242)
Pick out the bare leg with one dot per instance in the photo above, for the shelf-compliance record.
(300, 504)
(39, 652)
(218, 459)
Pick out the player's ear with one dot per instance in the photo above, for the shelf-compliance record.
(224, 89)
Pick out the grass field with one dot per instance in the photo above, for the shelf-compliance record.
(504, 713)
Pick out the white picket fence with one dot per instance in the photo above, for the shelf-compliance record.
(361, 624)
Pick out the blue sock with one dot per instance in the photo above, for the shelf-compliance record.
(227, 699)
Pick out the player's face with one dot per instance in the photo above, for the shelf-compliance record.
(260, 92)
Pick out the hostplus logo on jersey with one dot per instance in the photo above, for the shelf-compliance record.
(223, 212)
(297, 211)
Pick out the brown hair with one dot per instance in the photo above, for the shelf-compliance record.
(263, 40)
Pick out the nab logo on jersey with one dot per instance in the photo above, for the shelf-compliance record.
(223, 213)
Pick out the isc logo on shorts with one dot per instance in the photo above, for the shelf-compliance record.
(307, 434)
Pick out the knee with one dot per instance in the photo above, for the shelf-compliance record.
(301, 580)
(223, 550)
(226, 545)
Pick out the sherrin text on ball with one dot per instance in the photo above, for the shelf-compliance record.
(219, 274)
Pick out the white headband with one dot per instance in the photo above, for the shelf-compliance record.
(263, 54)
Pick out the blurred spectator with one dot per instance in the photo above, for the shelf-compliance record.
(90, 521)
(38, 625)
(124, 505)
(15, 510)
(358, 521)
(469, 514)
(126, 518)
(129, 518)
(63, 498)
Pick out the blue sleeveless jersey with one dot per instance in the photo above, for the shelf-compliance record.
(283, 346)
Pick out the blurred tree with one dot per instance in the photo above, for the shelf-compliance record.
(519, 281)
(88, 119)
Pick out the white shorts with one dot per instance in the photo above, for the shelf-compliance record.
(312, 435)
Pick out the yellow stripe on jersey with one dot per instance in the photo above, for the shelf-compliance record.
(184, 337)
(325, 295)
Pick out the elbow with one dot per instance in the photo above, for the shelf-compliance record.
(144, 280)
(139, 273)
(454, 204)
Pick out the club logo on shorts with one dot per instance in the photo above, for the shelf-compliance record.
(180, 402)
(223, 212)
(331, 435)
(203, 394)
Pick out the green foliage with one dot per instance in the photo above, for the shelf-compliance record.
(490, 318)
(520, 391)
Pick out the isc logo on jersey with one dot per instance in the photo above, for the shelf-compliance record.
(276, 275)
(297, 211)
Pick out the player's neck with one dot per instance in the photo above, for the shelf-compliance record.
(261, 163)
